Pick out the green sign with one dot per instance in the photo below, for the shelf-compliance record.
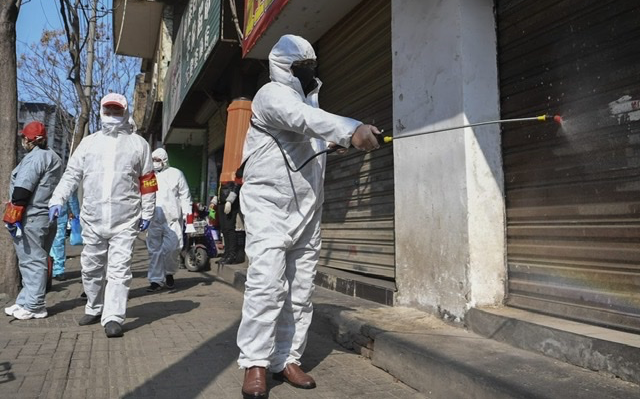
(199, 32)
(189, 160)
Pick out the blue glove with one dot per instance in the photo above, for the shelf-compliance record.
(15, 229)
(144, 224)
(54, 212)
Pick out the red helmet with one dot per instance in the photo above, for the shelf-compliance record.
(34, 131)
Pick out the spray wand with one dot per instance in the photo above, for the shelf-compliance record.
(388, 139)
(542, 118)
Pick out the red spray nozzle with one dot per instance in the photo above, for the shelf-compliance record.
(556, 118)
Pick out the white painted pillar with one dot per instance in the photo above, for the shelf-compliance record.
(449, 206)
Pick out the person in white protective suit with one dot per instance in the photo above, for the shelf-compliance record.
(118, 188)
(282, 213)
(164, 237)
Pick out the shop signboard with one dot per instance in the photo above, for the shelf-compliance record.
(258, 15)
(198, 34)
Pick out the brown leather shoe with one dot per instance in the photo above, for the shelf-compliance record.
(294, 375)
(255, 383)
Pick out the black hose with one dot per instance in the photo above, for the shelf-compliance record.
(327, 151)
(286, 161)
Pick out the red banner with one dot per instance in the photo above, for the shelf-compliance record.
(258, 15)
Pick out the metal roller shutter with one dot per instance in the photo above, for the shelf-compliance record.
(573, 192)
(355, 67)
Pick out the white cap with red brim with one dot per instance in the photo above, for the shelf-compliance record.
(114, 99)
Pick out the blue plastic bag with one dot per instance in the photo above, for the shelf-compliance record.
(76, 232)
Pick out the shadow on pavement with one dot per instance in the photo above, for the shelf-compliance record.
(5, 374)
(147, 313)
(182, 284)
(324, 338)
(73, 277)
(188, 377)
(64, 306)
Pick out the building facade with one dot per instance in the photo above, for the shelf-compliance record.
(57, 135)
(535, 215)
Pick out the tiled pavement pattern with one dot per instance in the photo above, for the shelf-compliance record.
(177, 344)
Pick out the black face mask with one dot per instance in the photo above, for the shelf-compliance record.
(306, 75)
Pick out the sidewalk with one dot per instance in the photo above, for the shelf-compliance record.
(446, 361)
(181, 344)
(177, 344)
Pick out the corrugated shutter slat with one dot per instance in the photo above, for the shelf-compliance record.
(355, 67)
(572, 192)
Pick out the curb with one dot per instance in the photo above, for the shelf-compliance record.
(441, 360)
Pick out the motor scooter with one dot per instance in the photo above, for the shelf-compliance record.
(200, 240)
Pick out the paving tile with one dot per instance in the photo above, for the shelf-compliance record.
(176, 345)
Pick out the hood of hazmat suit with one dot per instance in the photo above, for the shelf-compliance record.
(160, 159)
(281, 108)
(173, 196)
(109, 164)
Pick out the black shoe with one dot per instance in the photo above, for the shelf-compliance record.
(154, 287)
(89, 319)
(113, 330)
(229, 259)
(236, 261)
(169, 281)
(60, 277)
(83, 295)
(232, 259)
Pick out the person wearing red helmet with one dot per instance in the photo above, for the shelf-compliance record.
(26, 218)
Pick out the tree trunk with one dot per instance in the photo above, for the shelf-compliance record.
(71, 20)
(88, 76)
(9, 274)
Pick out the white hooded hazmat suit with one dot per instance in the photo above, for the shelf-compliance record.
(283, 210)
(164, 237)
(108, 164)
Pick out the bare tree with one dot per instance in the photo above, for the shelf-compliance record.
(42, 75)
(70, 10)
(9, 276)
(111, 72)
(43, 70)
(74, 13)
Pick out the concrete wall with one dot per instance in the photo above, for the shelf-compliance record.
(163, 55)
(449, 203)
(140, 101)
